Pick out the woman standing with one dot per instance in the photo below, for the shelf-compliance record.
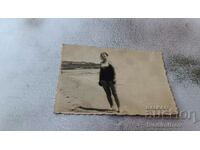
(107, 80)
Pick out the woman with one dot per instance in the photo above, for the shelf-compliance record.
(107, 80)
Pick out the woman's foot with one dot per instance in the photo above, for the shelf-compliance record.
(112, 108)
(118, 110)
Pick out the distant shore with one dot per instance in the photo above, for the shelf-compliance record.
(70, 65)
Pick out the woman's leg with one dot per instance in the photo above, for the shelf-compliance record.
(108, 92)
(114, 92)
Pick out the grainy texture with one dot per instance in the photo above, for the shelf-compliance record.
(30, 60)
(141, 83)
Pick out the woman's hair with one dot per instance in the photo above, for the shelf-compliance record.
(104, 53)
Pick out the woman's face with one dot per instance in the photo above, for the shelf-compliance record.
(103, 57)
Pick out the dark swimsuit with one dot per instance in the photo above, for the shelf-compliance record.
(107, 73)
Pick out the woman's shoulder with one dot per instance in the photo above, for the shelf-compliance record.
(110, 64)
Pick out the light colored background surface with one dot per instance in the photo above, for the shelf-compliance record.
(30, 60)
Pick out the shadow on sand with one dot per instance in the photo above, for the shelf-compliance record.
(96, 109)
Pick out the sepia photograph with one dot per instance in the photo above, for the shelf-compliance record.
(113, 81)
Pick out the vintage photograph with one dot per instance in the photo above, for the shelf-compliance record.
(113, 81)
